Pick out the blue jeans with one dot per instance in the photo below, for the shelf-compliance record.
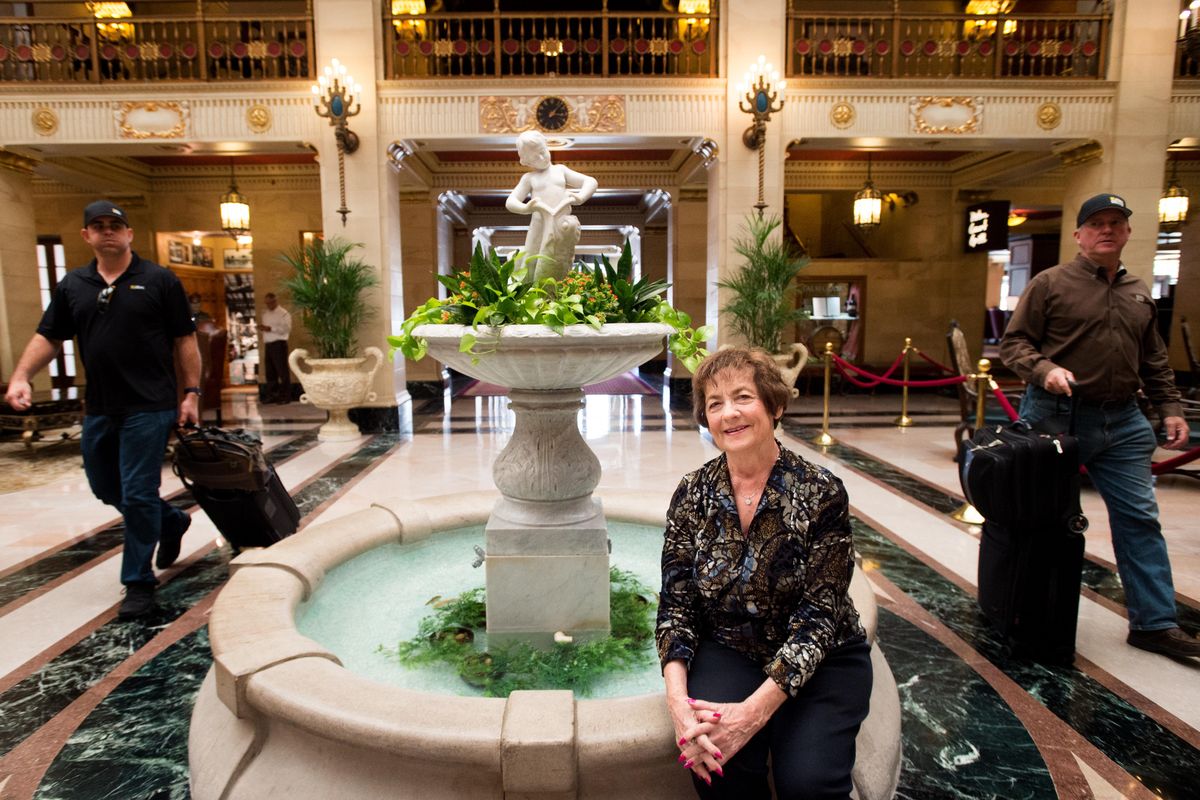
(122, 457)
(1116, 443)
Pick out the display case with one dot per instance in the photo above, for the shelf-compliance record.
(835, 309)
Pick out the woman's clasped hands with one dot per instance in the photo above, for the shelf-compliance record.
(709, 734)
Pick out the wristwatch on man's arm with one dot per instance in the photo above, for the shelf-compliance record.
(192, 390)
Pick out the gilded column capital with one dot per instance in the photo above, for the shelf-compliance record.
(14, 162)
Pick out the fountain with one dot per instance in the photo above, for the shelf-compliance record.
(279, 716)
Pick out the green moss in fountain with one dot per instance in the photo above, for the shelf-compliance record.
(448, 635)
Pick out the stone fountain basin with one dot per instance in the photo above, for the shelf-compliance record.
(536, 357)
(278, 716)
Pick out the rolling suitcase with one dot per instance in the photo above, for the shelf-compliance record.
(239, 491)
(1026, 485)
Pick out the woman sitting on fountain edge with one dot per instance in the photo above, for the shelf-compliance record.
(762, 649)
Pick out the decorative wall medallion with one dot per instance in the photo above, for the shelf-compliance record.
(151, 119)
(1048, 116)
(45, 121)
(584, 114)
(258, 117)
(842, 115)
(957, 115)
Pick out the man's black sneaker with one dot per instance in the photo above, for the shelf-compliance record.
(1169, 642)
(138, 602)
(168, 543)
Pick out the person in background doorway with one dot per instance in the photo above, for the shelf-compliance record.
(198, 313)
(135, 329)
(276, 326)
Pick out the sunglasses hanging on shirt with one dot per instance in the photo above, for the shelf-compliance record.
(104, 298)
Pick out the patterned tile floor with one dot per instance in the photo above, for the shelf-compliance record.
(95, 708)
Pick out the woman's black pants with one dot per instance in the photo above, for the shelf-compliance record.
(810, 739)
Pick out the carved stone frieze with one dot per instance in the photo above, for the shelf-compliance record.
(589, 114)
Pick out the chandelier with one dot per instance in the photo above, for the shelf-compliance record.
(235, 211)
(1173, 205)
(868, 204)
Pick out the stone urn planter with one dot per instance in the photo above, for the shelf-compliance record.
(336, 385)
(546, 538)
(791, 363)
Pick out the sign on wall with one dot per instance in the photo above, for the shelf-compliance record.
(987, 226)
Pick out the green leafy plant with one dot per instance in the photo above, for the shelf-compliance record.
(492, 293)
(764, 290)
(448, 635)
(327, 288)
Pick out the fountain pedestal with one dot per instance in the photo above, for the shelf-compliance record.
(547, 539)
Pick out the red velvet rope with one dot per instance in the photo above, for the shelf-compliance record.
(872, 384)
(1171, 464)
(937, 364)
(841, 365)
(1003, 401)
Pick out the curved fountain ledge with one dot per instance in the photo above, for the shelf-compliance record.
(278, 716)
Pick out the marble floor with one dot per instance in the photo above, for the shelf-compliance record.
(95, 708)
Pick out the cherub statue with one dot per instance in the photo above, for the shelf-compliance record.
(552, 190)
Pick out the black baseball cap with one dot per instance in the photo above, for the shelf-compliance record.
(102, 208)
(1098, 203)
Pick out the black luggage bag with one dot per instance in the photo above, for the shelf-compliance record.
(1026, 485)
(239, 491)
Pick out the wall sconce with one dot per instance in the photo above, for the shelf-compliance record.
(868, 204)
(235, 211)
(1173, 205)
(335, 92)
(759, 92)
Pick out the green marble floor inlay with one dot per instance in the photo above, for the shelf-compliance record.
(964, 743)
(1163, 762)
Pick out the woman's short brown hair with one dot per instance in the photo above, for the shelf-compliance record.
(771, 389)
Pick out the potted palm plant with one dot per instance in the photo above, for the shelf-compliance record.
(326, 287)
(763, 303)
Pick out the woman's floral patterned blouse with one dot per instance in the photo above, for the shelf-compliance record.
(776, 593)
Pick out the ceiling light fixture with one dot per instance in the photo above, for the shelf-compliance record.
(235, 211)
(1173, 205)
(868, 204)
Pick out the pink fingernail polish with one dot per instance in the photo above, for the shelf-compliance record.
(718, 756)
(682, 741)
(708, 780)
(681, 758)
(716, 715)
(691, 700)
(689, 763)
(718, 771)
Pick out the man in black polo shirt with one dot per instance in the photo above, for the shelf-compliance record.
(1091, 324)
(134, 327)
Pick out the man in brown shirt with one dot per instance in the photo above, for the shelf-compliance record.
(1090, 323)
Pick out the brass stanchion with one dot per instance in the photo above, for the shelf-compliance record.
(904, 420)
(967, 512)
(824, 439)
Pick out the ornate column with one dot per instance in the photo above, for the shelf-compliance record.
(20, 308)
(350, 30)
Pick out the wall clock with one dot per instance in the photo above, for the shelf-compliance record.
(552, 114)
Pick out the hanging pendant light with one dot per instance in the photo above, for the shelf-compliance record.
(1173, 205)
(235, 211)
(868, 204)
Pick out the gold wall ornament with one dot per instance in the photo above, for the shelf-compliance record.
(45, 121)
(152, 119)
(258, 117)
(1049, 115)
(842, 115)
(602, 114)
(954, 115)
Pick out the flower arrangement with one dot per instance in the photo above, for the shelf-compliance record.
(493, 292)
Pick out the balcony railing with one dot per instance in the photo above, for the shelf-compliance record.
(195, 47)
(597, 43)
(1187, 54)
(911, 45)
